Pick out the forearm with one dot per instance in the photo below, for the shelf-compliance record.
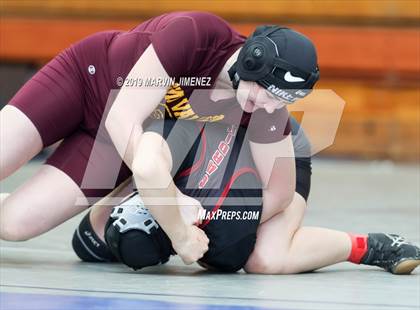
(159, 195)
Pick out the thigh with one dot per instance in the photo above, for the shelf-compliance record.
(19, 140)
(57, 191)
(44, 201)
(53, 98)
(274, 237)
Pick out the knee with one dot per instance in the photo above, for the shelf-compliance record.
(264, 263)
(15, 225)
(258, 264)
(12, 230)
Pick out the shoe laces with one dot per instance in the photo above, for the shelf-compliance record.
(397, 240)
(386, 254)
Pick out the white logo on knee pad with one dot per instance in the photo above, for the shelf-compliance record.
(90, 237)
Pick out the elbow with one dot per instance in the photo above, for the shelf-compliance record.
(149, 165)
(150, 174)
(144, 169)
(146, 162)
(149, 168)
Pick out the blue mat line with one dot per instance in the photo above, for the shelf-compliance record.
(310, 302)
(24, 301)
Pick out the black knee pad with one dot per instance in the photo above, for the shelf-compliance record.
(135, 247)
(87, 245)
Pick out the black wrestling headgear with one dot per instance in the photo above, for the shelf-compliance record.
(279, 59)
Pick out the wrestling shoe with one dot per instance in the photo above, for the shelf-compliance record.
(391, 252)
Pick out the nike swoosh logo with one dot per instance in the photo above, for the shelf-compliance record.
(288, 77)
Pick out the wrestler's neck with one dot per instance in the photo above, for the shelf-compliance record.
(223, 86)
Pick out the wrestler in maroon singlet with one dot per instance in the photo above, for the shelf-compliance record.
(67, 97)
